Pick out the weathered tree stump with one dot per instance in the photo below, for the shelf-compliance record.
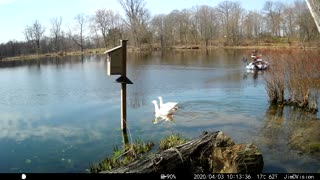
(208, 153)
(242, 158)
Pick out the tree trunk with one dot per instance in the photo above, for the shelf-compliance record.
(195, 156)
(314, 7)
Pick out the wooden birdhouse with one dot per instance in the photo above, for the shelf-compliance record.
(114, 61)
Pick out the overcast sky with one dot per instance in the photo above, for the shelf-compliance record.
(15, 15)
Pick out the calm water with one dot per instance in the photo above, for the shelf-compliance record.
(62, 115)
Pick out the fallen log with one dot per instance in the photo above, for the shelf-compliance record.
(242, 158)
(195, 156)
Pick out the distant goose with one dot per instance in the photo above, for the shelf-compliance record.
(164, 111)
(169, 105)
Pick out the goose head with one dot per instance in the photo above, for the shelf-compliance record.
(161, 100)
(154, 102)
(156, 107)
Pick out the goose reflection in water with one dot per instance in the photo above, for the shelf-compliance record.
(161, 118)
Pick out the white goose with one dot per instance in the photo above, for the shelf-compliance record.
(164, 111)
(169, 105)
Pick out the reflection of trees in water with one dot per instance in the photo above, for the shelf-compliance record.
(275, 137)
(272, 129)
(280, 123)
(195, 57)
(138, 58)
(298, 118)
(250, 73)
(254, 74)
(306, 139)
(137, 99)
(219, 59)
(138, 88)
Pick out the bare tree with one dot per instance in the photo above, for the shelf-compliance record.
(11, 48)
(225, 8)
(207, 23)
(138, 18)
(56, 32)
(95, 31)
(252, 25)
(158, 27)
(304, 22)
(79, 37)
(288, 23)
(107, 22)
(248, 25)
(116, 30)
(237, 16)
(170, 28)
(274, 12)
(34, 33)
(102, 20)
(231, 16)
(181, 22)
(187, 26)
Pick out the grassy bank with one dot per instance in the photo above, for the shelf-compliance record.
(271, 46)
(134, 151)
(60, 54)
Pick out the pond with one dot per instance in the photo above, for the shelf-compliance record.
(63, 114)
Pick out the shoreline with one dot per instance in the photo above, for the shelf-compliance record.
(179, 48)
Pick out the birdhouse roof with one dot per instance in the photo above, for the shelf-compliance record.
(113, 49)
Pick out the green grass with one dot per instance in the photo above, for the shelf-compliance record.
(134, 151)
(314, 147)
(122, 156)
(171, 141)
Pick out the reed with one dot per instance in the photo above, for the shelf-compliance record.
(294, 80)
(275, 81)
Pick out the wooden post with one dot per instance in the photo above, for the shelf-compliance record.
(314, 8)
(117, 65)
(123, 43)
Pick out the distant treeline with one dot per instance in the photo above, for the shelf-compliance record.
(227, 24)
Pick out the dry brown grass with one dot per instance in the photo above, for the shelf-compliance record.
(294, 79)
